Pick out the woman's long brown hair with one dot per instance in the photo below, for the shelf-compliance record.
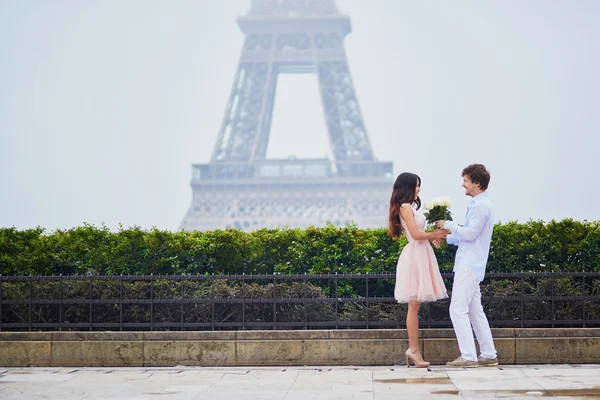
(403, 192)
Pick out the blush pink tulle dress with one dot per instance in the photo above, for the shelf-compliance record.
(418, 276)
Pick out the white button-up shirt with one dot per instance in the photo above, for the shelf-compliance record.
(473, 239)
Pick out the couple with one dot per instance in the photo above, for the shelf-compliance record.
(418, 277)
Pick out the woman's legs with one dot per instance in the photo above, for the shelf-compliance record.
(412, 325)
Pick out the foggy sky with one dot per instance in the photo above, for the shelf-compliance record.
(104, 105)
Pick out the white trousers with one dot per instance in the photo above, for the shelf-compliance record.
(466, 312)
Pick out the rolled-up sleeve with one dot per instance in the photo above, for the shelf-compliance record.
(451, 239)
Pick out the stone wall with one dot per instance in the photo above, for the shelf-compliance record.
(272, 348)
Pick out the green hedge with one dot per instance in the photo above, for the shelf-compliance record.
(565, 245)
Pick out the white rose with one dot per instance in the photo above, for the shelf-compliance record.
(429, 205)
(446, 201)
(442, 201)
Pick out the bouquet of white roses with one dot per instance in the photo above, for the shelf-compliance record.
(438, 209)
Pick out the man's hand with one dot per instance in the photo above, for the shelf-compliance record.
(440, 224)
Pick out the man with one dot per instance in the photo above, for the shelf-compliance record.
(473, 241)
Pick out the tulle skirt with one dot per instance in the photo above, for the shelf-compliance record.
(418, 276)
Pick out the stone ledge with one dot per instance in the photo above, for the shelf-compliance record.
(75, 336)
(284, 335)
(189, 335)
(274, 348)
(556, 332)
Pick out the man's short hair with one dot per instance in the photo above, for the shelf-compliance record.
(478, 173)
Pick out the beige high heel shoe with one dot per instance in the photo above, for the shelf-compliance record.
(417, 360)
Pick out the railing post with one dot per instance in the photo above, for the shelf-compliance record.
(182, 309)
(243, 301)
(151, 301)
(60, 301)
(428, 315)
(522, 301)
(583, 301)
(552, 301)
(91, 303)
(274, 305)
(121, 307)
(30, 301)
(0, 302)
(367, 294)
(336, 301)
(212, 302)
(305, 302)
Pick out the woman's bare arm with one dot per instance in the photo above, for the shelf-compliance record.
(406, 213)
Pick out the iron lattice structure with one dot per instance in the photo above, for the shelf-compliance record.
(243, 189)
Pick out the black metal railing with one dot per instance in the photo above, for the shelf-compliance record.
(237, 302)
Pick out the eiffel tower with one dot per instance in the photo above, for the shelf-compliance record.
(240, 188)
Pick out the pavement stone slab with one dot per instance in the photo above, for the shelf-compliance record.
(518, 382)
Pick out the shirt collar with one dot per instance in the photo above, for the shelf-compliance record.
(478, 198)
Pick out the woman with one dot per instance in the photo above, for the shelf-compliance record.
(418, 277)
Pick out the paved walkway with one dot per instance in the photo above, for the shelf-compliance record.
(291, 383)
